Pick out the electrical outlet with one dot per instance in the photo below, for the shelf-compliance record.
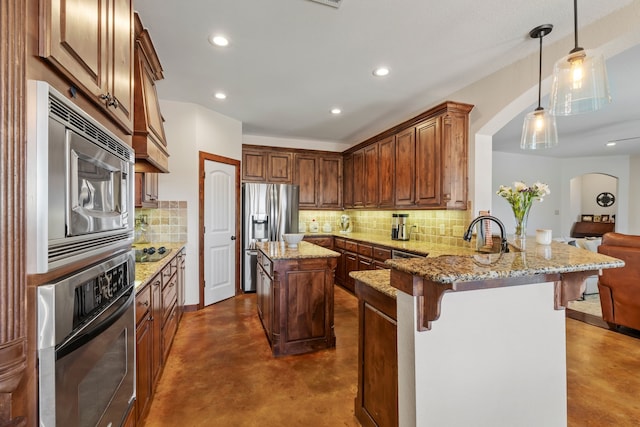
(442, 229)
(457, 230)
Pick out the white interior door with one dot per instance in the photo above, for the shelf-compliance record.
(219, 231)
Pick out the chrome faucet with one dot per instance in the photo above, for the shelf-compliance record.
(504, 246)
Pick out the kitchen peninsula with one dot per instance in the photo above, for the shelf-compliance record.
(295, 296)
(480, 338)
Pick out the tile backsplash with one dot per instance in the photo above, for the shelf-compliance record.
(166, 223)
(431, 226)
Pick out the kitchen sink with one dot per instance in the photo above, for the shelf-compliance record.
(151, 254)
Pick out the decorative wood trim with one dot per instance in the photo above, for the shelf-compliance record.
(567, 287)
(236, 163)
(13, 321)
(570, 287)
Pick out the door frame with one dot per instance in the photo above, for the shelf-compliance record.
(203, 156)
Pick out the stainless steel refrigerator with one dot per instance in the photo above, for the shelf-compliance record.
(268, 211)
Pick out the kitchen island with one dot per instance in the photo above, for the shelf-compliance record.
(481, 338)
(295, 296)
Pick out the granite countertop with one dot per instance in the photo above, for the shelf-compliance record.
(145, 271)
(415, 246)
(460, 266)
(279, 251)
(377, 279)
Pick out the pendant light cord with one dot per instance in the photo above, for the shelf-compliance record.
(540, 74)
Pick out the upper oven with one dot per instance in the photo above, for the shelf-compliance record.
(80, 183)
(86, 345)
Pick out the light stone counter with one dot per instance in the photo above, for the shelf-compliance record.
(279, 251)
(452, 265)
(145, 271)
(377, 279)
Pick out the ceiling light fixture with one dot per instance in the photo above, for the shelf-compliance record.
(336, 111)
(610, 144)
(539, 128)
(579, 80)
(219, 41)
(220, 95)
(381, 71)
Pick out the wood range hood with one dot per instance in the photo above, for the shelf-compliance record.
(149, 140)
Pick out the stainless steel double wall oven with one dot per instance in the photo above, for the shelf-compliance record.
(80, 210)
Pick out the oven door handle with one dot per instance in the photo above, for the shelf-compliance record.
(92, 332)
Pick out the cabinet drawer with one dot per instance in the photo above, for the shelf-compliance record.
(169, 298)
(381, 254)
(266, 263)
(351, 246)
(166, 275)
(339, 243)
(325, 242)
(366, 250)
(143, 303)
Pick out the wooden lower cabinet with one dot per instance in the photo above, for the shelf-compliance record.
(157, 318)
(324, 241)
(356, 256)
(295, 303)
(376, 402)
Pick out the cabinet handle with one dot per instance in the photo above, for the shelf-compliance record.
(110, 100)
(145, 303)
(157, 283)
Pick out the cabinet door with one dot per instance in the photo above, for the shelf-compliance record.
(143, 366)
(150, 187)
(378, 341)
(428, 170)
(340, 268)
(74, 38)
(371, 176)
(365, 263)
(91, 44)
(350, 264)
(386, 164)
(348, 181)
(358, 179)
(306, 170)
(156, 326)
(121, 65)
(279, 167)
(254, 166)
(330, 182)
(405, 167)
(455, 157)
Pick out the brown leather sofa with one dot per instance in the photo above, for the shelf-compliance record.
(620, 287)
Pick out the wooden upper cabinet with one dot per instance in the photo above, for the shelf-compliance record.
(358, 179)
(405, 167)
(149, 139)
(330, 182)
(455, 159)
(386, 166)
(91, 44)
(347, 192)
(371, 176)
(279, 167)
(254, 166)
(306, 170)
(428, 163)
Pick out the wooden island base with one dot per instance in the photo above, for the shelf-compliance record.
(295, 297)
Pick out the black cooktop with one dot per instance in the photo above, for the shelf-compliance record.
(151, 254)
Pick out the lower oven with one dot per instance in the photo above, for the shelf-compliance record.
(86, 346)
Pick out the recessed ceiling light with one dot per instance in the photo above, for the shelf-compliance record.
(219, 41)
(336, 111)
(611, 144)
(220, 95)
(381, 71)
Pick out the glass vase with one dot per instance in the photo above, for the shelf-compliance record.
(521, 216)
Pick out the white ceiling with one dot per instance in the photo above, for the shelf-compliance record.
(290, 61)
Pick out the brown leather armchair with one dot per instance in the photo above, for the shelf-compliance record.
(620, 287)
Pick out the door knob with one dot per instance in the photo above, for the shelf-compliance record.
(233, 237)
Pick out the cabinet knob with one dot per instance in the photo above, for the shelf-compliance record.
(233, 237)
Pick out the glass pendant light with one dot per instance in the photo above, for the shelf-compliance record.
(539, 129)
(579, 80)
